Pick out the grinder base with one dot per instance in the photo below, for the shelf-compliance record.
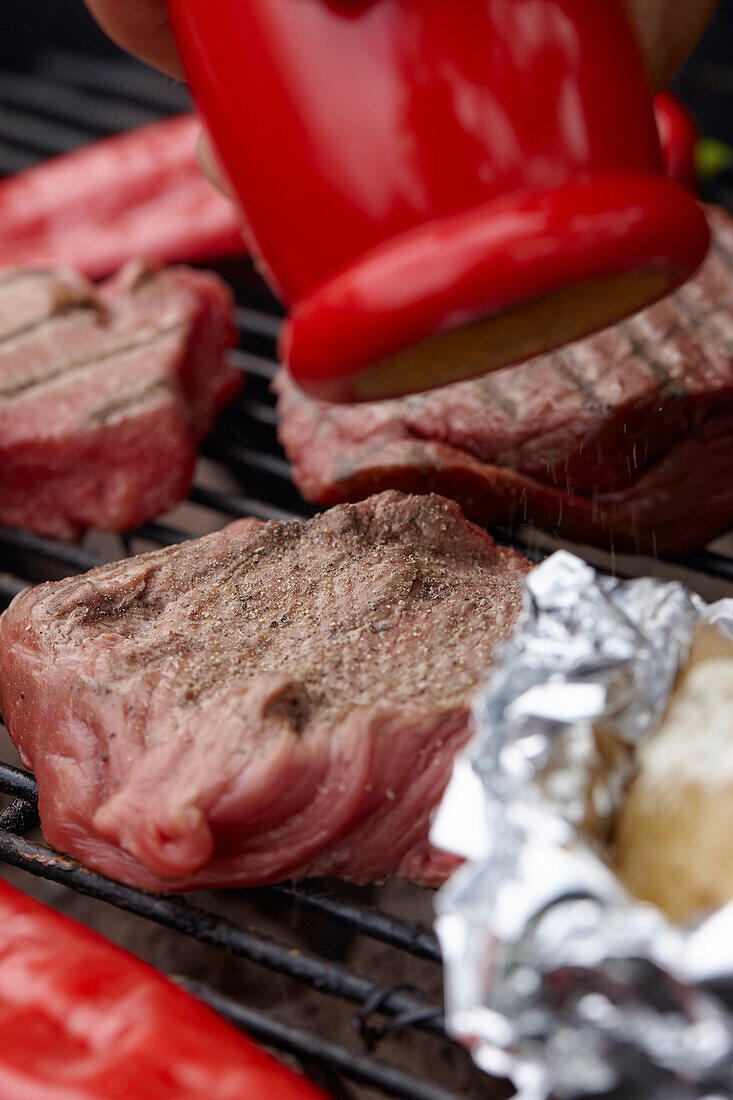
(512, 336)
(494, 286)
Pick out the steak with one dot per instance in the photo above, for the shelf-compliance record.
(276, 700)
(624, 439)
(106, 392)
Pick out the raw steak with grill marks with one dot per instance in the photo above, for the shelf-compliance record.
(275, 700)
(624, 439)
(105, 393)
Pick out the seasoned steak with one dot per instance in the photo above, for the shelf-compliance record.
(624, 439)
(276, 700)
(105, 393)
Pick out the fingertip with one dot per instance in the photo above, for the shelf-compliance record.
(142, 28)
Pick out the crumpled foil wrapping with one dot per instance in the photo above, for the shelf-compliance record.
(555, 976)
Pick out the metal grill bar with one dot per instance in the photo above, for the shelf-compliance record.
(253, 364)
(320, 974)
(162, 535)
(355, 1067)
(259, 413)
(69, 105)
(121, 81)
(15, 158)
(239, 507)
(10, 587)
(709, 563)
(19, 783)
(409, 935)
(32, 132)
(21, 816)
(60, 553)
(235, 454)
(259, 323)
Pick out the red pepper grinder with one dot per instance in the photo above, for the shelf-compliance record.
(439, 188)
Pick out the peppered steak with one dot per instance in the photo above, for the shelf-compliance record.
(274, 700)
(105, 393)
(624, 439)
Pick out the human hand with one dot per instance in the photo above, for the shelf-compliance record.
(668, 31)
(142, 28)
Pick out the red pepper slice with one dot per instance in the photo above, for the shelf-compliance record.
(141, 193)
(83, 1020)
(678, 136)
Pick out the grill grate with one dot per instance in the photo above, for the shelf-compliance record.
(64, 101)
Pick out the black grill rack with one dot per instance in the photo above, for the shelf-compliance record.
(61, 103)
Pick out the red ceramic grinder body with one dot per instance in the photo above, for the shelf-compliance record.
(439, 189)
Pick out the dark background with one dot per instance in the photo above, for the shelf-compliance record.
(27, 26)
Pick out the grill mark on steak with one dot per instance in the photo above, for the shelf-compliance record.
(130, 404)
(147, 339)
(9, 343)
(493, 397)
(722, 252)
(641, 348)
(140, 278)
(21, 274)
(562, 362)
(696, 319)
(62, 309)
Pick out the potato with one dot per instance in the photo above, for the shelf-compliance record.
(674, 840)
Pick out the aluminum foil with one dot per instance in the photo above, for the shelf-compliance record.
(555, 976)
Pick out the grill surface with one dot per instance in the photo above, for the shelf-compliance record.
(63, 101)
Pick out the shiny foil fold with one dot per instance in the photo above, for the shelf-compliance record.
(555, 976)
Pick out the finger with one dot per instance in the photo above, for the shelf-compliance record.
(668, 31)
(142, 28)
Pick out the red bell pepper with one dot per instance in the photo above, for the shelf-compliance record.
(688, 157)
(83, 1020)
(679, 137)
(141, 193)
